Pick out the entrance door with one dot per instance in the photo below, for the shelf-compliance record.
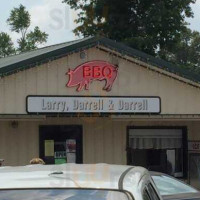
(61, 144)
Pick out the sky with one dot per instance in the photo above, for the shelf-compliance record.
(52, 16)
(57, 19)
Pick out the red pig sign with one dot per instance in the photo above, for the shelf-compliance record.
(83, 75)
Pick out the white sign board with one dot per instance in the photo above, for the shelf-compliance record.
(193, 145)
(80, 104)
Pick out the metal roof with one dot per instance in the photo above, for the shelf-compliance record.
(28, 59)
(33, 53)
(15, 63)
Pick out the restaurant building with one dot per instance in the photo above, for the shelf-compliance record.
(98, 101)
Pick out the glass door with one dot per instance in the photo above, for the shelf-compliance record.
(61, 144)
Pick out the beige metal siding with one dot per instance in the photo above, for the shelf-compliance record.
(104, 140)
(133, 80)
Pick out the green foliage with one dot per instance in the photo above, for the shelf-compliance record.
(187, 52)
(33, 40)
(155, 27)
(147, 25)
(19, 22)
(36, 37)
(6, 45)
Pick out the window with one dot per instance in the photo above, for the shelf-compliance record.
(67, 194)
(157, 149)
(169, 186)
(146, 195)
(152, 192)
(61, 144)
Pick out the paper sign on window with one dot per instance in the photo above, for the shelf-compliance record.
(71, 150)
(49, 148)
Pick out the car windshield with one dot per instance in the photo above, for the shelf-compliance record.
(170, 186)
(62, 194)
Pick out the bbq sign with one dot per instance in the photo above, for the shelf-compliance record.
(83, 75)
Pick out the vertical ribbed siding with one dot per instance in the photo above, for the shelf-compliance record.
(19, 145)
(104, 140)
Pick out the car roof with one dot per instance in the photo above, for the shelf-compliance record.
(71, 176)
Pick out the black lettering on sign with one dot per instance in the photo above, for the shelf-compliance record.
(195, 146)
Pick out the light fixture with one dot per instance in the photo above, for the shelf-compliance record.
(14, 124)
(82, 54)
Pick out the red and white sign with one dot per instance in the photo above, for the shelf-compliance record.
(83, 75)
(70, 146)
(194, 146)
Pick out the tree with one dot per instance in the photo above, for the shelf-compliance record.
(6, 45)
(33, 40)
(148, 25)
(20, 21)
(187, 51)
